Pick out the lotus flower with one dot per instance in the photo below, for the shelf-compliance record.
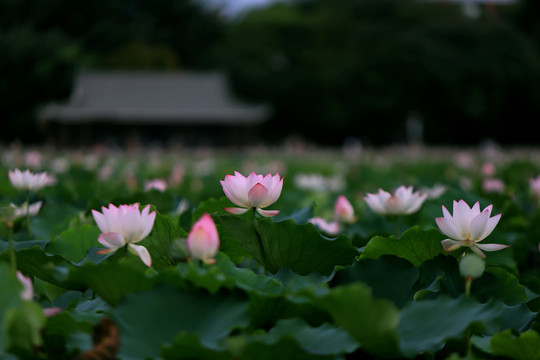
(28, 294)
(22, 211)
(330, 228)
(28, 288)
(13, 212)
(488, 169)
(254, 191)
(125, 225)
(343, 210)
(402, 201)
(203, 239)
(534, 184)
(26, 180)
(467, 227)
(155, 184)
(493, 185)
(434, 192)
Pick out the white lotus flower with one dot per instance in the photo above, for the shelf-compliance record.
(254, 191)
(467, 227)
(22, 210)
(125, 225)
(402, 201)
(26, 180)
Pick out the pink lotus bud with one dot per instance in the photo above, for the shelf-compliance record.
(203, 239)
(255, 191)
(344, 211)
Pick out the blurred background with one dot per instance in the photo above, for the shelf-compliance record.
(324, 71)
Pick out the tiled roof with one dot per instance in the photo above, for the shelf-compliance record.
(153, 97)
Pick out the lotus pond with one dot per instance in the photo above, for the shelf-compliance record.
(296, 265)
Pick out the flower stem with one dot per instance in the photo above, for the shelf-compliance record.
(28, 215)
(468, 283)
(260, 244)
(398, 229)
(12, 257)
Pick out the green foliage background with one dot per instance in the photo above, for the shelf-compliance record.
(328, 68)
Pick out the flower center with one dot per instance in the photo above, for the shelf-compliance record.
(393, 205)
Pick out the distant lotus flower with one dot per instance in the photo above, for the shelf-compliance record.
(402, 201)
(203, 239)
(534, 183)
(26, 180)
(13, 212)
(254, 191)
(60, 165)
(183, 205)
(493, 185)
(125, 225)
(28, 287)
(155, 184)
(464, 160)
(467, 227)
(435, 192)
(28, 294)
(318, 182)
(177, 175)
(33, 159)
(22, 210)
(343, 210)
(331, 228)
(105, 172)
(315, 182)
(488, 169)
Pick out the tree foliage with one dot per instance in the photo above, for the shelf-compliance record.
(329, 69)
(44, 42)
(351, 67)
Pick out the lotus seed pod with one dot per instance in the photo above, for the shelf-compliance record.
(472, 265)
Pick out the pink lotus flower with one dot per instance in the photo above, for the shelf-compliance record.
(255, 191)
(467, 227)
(125, 225)
(493, 185)
(488, 169)
(402, 201)
(155, 184)
(328, 227)
(28, 294)
(203, 239)
(26, 180)
(28, 288)
(343, 210)
(534, 184)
